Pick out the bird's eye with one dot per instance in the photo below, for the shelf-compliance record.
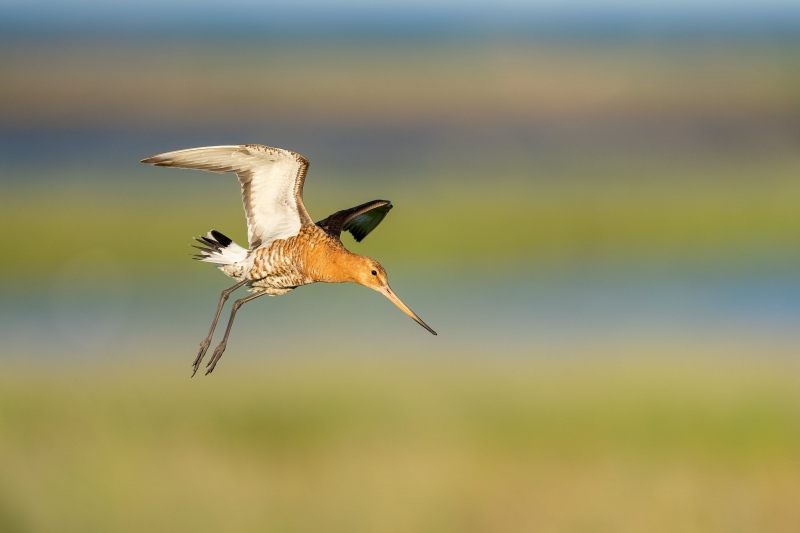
(374, 273)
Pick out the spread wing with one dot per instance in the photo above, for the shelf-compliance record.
(359, 220)
(272, 184)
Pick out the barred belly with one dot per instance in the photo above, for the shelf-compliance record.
(281, 267)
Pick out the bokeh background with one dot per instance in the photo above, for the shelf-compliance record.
(597, 208)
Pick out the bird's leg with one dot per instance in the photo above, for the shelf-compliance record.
(207, 341)
(221, 347)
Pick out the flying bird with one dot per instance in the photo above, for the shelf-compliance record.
(287, 248)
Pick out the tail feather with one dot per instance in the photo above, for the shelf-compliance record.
(220, 238)
(218, 249)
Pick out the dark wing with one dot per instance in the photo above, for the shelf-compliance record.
(359, 220)
(272, 184)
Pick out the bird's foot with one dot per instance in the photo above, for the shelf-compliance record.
(199, 359)
(215, 357)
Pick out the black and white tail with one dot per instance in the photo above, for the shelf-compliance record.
(220, 250)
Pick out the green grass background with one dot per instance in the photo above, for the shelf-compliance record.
(404, 443)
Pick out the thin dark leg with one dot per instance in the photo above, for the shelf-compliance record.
(221, 347)
(207, 341)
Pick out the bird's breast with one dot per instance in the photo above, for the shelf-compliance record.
(289, 263)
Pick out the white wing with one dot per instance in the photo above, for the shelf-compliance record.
(272, 184)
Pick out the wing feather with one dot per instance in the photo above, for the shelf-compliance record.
(359, 220)
(272, 184)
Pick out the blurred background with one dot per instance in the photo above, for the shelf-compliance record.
(597, 206)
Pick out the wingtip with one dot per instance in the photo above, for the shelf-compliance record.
(156, 160)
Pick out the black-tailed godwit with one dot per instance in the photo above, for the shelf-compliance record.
(287, 249)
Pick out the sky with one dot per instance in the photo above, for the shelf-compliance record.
(410, 4)
(18, 14)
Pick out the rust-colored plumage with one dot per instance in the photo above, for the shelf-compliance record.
(286, 249)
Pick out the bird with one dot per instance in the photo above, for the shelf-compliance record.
(287, 249)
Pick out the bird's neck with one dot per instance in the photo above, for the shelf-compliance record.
(329, 261)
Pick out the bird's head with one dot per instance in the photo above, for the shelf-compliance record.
(369, 273)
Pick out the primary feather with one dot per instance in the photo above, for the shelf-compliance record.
(359, 220)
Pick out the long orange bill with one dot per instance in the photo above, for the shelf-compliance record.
(389, 293)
